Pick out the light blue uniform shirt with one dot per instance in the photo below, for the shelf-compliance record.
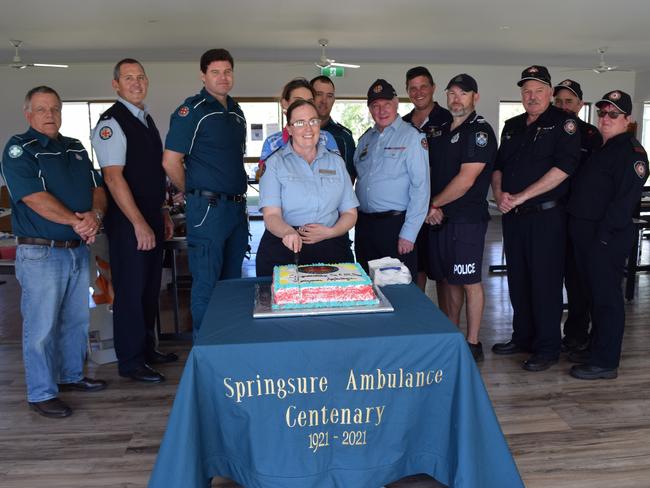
(393, 174)
(108, 139)
(313, 193)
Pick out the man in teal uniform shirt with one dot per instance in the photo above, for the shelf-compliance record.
(57, 203)
(204, 157)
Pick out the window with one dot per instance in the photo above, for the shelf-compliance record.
(645, 138)
(353, 113)
(78, 121)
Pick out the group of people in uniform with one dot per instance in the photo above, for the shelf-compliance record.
(414, 188)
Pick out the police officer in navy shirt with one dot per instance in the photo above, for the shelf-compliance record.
(539, 150)
(324, 98)
(204, 157)
(604, 197)
(458, 214)
(568, 97)
(392, 184)
(129, 150)
(427, 116)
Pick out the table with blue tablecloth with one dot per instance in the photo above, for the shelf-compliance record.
(348, 401)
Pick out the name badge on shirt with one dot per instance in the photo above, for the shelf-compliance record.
(327, 171)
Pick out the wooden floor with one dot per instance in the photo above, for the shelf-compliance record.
(563, 433)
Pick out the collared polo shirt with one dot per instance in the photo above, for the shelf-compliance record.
(32, 163)
(213, 139)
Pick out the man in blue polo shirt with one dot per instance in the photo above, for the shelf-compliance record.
(393, 182)
(204, 157)
(57, 203)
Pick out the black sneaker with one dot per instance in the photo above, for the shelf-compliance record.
(476, 350)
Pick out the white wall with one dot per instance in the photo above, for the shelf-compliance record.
(170, 83)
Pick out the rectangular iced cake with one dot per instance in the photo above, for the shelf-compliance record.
(321, 285)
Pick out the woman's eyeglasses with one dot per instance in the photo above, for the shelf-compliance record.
(613, 114)
(302, 123)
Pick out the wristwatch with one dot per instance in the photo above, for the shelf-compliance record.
(99, 215)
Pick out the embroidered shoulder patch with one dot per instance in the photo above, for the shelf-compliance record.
(105, 133)
(570, 127)
(15, 151)
(183, 111)
(481, 139)
(639, 169)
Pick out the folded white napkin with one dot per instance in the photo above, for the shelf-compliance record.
(388, 271)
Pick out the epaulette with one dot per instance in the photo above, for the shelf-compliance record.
(636, 145)
(365, 132)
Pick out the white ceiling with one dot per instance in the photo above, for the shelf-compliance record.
(503, 32)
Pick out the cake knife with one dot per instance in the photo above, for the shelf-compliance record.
(296, 261)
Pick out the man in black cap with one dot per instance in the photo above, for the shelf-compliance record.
(568, 97)
(605, 194)
(427, 116)
(392, 184)
(539, 150)
(458, 214)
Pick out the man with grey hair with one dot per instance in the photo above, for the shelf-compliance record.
(57, 202)
(539, 151)
(129, 150)
(393, 182)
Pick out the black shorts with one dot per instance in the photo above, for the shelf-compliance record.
(456, 253)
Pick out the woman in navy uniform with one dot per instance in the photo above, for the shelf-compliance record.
(605, 194)
(306, 198)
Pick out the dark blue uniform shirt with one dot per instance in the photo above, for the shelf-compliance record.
(528, 152)
(32, 163)
(608, 187)
(345, 143)
(471, 142)
(213, 139)
(432, 128)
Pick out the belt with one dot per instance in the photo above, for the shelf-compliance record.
(529, 209)
(213, 196)
(384, 215)
(49, 243)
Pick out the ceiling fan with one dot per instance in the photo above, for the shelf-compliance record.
(17, 62)
(602, 66)
(325, 62)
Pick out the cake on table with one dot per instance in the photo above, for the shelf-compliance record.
(321, 285)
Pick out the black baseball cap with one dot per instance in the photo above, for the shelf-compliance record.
(464, 81)
(572, 86)
(619, 99)
(381, 89)
(535, 72)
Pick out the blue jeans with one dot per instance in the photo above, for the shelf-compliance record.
(54, 305)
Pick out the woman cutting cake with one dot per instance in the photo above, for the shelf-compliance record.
(306, 198)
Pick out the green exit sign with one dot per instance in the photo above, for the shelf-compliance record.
(333, 71)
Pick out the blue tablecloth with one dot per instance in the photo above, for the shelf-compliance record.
(348, 401)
